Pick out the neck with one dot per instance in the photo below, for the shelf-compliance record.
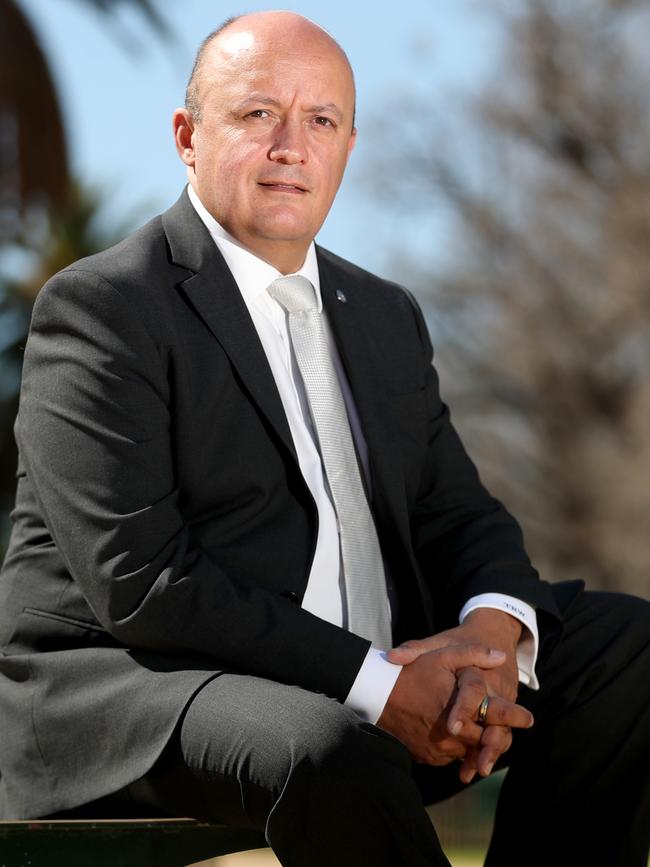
(285, 256)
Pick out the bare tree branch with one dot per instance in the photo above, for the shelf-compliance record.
(542, 325)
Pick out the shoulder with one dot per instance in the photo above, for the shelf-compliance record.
(120, 297)
(145, 258)
(351, 274)
(132, 260)
(113, 291)
(378, 296)
(137, 272)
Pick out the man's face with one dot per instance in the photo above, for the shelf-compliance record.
(274, 136)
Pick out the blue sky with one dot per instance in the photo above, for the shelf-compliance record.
(118, 100)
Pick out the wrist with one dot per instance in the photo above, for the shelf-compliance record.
(495, 623)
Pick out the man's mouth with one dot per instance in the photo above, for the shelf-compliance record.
(283, 186)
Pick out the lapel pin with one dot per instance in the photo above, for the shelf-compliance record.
(341, 296)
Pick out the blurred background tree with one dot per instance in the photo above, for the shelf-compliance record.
(47, 219)
(541, 309)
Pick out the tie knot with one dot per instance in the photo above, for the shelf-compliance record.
(295, 293)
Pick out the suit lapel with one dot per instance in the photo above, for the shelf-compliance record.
(213, 292)
(211, 289)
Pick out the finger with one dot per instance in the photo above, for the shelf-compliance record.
(439, 753)
(433, 758)
(469, 734)
(450, 748)
(505, 714)
(406, 653)
(474, 736)
(463, 714)
(472, 689)
(496, 741)
(502, 712)
(469, 766)
(409, 651)
(457, 657)
(465, 656)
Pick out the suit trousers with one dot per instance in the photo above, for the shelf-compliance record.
(329, 789)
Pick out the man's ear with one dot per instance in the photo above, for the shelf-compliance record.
(183, 126)
(352, 142)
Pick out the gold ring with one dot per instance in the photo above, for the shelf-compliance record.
(482, 710)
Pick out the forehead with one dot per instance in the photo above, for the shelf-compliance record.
(238, 64)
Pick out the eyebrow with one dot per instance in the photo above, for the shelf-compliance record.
(314, 109)
(328, 106)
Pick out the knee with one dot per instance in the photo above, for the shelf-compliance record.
(618, 634)
(630, 614)
(621, 613)
(337, 747)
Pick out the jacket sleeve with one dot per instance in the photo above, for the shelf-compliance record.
(95, 434)
(465, 540)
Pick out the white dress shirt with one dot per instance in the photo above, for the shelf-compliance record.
(323, 595)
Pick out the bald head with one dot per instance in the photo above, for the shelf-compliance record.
(258, 31)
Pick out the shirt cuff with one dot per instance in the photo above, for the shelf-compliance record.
(372, 686)
(528, 646)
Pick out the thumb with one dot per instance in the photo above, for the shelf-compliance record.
(464, 656)
(406, 653)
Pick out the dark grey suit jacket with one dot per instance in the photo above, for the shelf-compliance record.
(163, 531)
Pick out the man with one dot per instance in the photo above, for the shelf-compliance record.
(237, 489)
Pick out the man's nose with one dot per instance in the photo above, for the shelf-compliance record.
(289, 144)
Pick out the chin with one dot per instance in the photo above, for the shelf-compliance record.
(292, 219)
(284, 230)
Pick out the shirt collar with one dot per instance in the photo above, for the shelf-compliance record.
(252, 274)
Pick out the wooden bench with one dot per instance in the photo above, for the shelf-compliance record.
(119, 842)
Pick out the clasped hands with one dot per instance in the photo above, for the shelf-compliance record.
(434, 704)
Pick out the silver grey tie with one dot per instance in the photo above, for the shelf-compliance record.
(365, 583)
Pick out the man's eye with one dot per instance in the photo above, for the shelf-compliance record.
(323, 121)
(259, 112)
